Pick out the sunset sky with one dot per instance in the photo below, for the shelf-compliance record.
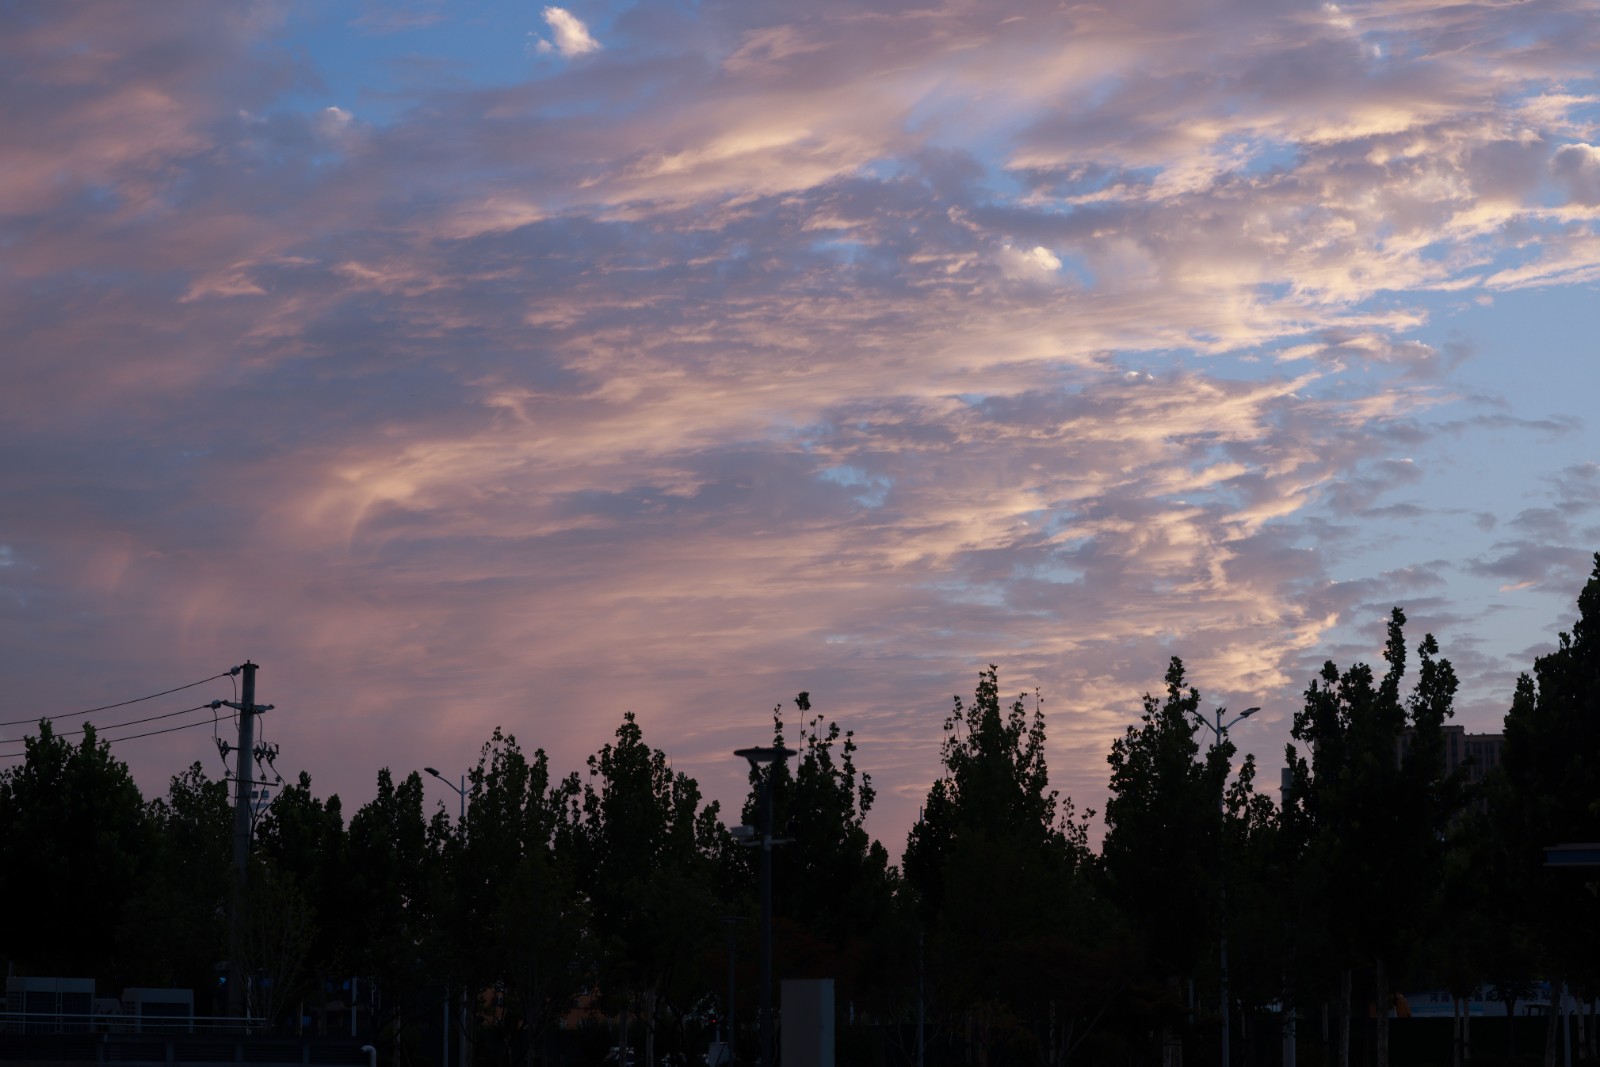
(469, 363)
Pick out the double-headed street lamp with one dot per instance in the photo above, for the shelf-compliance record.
(769, 757)
(1220, 731)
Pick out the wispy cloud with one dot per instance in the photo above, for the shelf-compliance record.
(845, 351)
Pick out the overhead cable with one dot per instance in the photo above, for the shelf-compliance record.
(131, 722)
(119, 704)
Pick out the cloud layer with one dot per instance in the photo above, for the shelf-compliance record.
(847, 350)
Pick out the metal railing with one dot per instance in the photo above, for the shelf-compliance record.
(23, 1022)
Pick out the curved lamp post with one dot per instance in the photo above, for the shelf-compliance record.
(461, 792)
(767, 757)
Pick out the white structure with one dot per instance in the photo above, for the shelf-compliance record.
(807, 1008)
(161, 1010)
(50, 1005)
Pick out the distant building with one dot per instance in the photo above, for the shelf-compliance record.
(1480, 753)
(1472, 755)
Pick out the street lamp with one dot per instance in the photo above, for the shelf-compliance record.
(461, 790)
(769, 757)
(461, 793)
(1220, 732)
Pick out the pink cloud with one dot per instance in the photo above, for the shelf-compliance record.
(846, 352)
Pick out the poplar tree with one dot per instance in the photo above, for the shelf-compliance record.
(517, 922)
(392, 863)
(1375, 794)
(1552, 747)
(74, 840)
(647, 850)
(1165, 815)
(176, 926)
(301, 839)
(997, 865)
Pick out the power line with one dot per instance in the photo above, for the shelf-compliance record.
(134, 722)
(119, 704)
(152, 733)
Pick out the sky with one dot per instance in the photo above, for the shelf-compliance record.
(472, 364)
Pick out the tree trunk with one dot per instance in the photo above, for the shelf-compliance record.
(1455, 1031)
(1551, 1034)
(1171, 1049)
(1344, 1018)
(650, 1027)
(1172, 1043)
(1511, 1028)
(1291, 1024)
(530, 1022)
(1380, 981)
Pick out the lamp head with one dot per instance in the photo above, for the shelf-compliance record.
(760, 755)
(433, 771)
(1247, 712)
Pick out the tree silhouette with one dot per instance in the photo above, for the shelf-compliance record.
(301, 838)
(73, 843)
(1165, 814)
(517, 924)
(833, 886)
(1377, 801)
(647, 851)
(1552, 746)
(176, 924)
(993, 831)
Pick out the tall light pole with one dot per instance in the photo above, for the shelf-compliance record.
(769, 757)
(1219, 730)
(732, 924)
(461, 792)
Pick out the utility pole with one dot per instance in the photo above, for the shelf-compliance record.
(243, 812)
